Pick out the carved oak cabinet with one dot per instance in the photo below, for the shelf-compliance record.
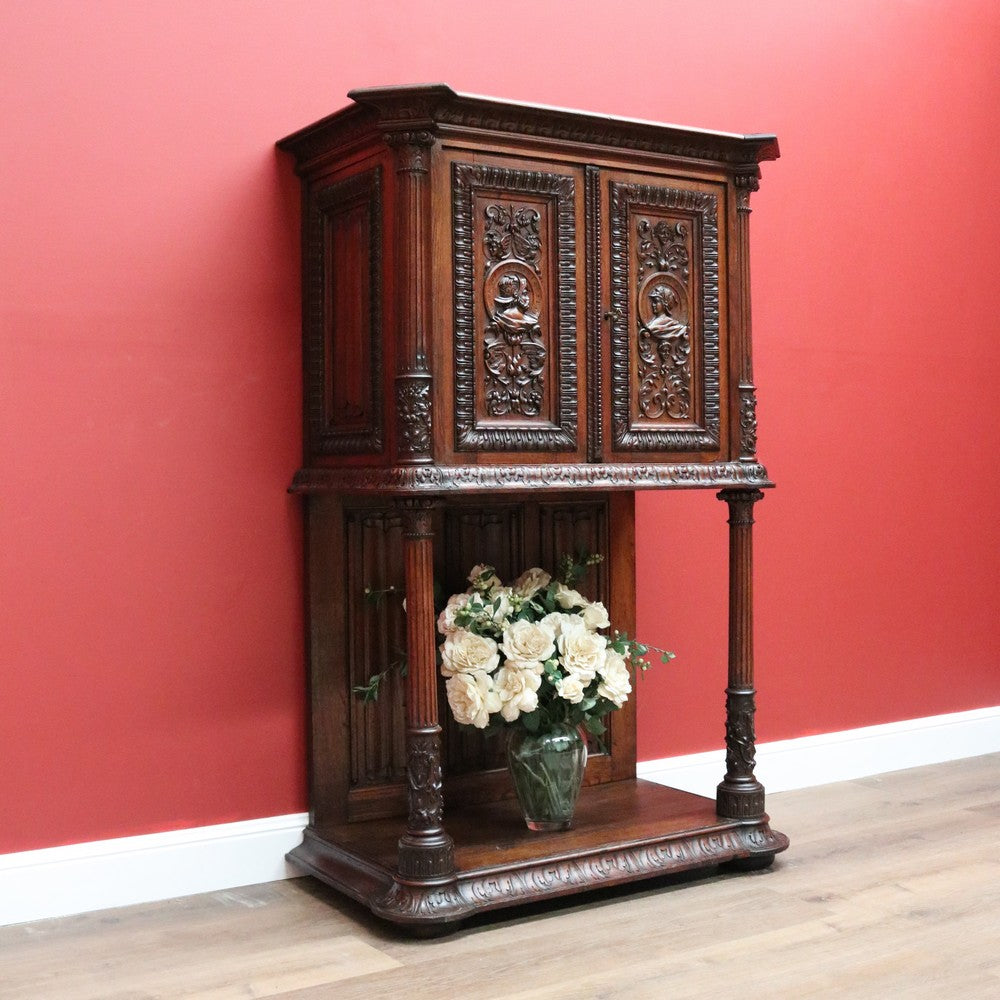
(514, 317)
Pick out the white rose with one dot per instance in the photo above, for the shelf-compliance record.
(464, 652)
(595, 616)
(616, 683)
(582, 652)
(571, 688)
(531, 581)
(525, 640)
(472, 698)
(484, 578)
(446, 620)
(560, 621)
(517, 683)
(503, 609)
(567, 598)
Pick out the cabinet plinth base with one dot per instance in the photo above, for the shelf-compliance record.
(623, 832)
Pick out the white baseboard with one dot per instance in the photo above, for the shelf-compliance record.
(856, 753)
(59, 881)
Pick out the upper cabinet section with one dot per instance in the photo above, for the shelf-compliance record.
(504, 296)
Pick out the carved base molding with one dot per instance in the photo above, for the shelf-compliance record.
(624, 832)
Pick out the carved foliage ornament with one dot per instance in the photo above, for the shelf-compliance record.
(664, 339)
(413, 414)
(514, 351)
(748, 422)
(739, 734)
(423, 771)
(432, 479)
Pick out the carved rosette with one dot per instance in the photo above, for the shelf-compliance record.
(413, 416)
(664, 319)
(504, 283)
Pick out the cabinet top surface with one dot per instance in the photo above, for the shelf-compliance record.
(436, 108)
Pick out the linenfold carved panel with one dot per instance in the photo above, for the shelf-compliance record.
(376, 639)
(515, 309)
(343, 346)
(665, 318)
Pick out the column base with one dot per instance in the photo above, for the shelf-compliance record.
(740, 801)
(426, 858)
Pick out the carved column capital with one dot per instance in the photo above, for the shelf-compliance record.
(417, 516)
(746, 181)
(740, 504)
(412, 150)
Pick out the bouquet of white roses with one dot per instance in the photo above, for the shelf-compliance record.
(533, 653)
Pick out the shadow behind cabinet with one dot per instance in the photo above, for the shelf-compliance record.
(514, 317)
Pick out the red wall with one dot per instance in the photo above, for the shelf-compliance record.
(150, 622)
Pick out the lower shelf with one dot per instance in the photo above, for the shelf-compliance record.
(622, 832)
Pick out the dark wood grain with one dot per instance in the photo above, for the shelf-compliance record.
(514, 318)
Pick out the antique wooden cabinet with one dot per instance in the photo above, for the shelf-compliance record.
(514, 317)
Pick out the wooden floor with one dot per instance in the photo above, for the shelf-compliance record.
(891, 888)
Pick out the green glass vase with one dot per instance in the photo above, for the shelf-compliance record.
(547, 772)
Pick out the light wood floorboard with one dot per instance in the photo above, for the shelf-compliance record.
(891, 888)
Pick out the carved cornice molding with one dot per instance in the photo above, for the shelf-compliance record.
(436, 107)
(739, 476)
(634, 136)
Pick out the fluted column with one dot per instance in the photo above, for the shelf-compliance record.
(740, 795)
(426, 852)
(414, 427)
(746, 183)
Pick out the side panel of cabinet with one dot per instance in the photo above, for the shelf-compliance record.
(664, 367)
(509, 309)
(347, 355)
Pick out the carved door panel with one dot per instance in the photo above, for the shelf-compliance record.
(517, 326)
(664, 318)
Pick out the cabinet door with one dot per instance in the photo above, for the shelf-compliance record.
(663, 341)
(517, 331)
